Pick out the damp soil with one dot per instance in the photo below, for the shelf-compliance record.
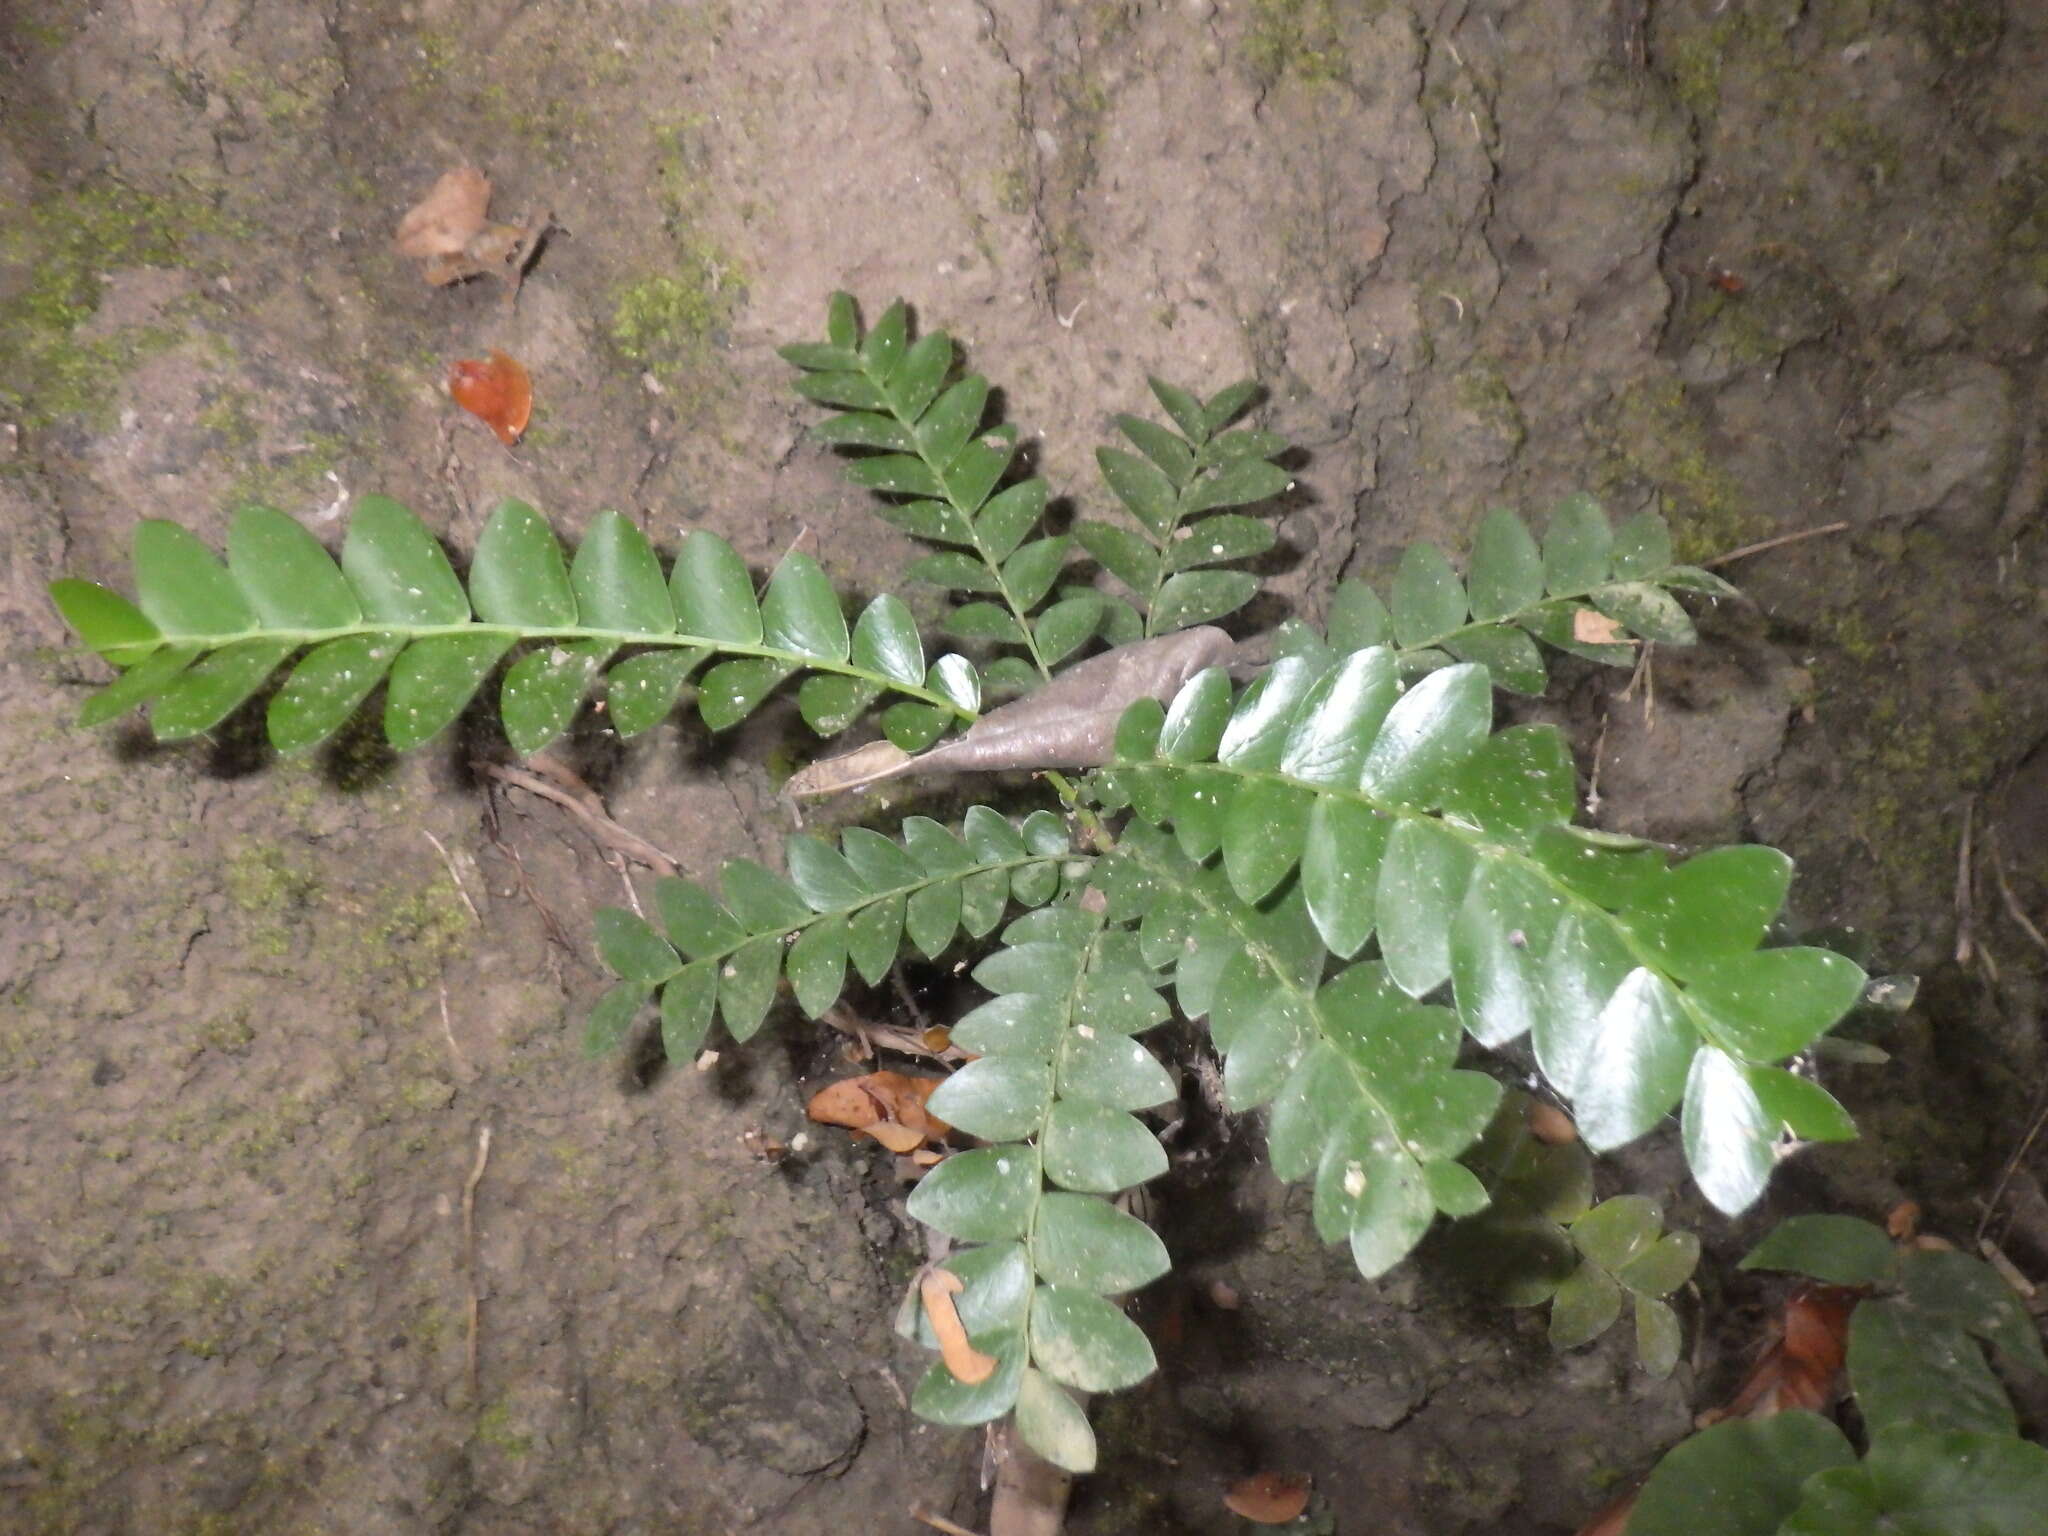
(1769, 265)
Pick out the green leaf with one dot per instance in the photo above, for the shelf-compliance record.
(1112, 1070)
(1263, 831)
(1160, 446)
(976, 468)
(543, 689)
(182, 588)
(842, 323)
(913, 726)
(926, 520)
(1431, 729)
(288, 578)
(1228, 403)
(640, 691)
(1664, 1267)
(1929, 1484)
(397, 569)
(1422, 882)
(1358, 618)
(1910, 1371)
(1381, 1202)
(932, 917)
(517, 576)
(714, 595)
(885, 641)
(823, 876)
(1119, 1000)
(1642, 547)
(1454, 1189)
(1617, 1231)
(941, 1399)
(1771, 1003)
(1196, 718)
(1585, 1306)
(202, 696)
(1099, 1150)
(325, 688)
(1646, 610)
(1800, 1105)
(1340, 867)
(1692, 578)
(762, 900)
(1507, 569)
(1015, 1024)
(874, 934)
(1257, 735)
(1085, 1243)
(1122, 553)
(1143, 488)
(733, 690)
(916, 381)
(1429, 600)
(1030, 573)
(983, 1196)
(817, 965)
(695, 924)
(617, 580)
(1239, 483)
(1007, 518)
(998, 1098)
(612, 1017)
(105, 621)
(1970, 1295)
(1841, 1250)
(1510, 655)
(1054, 1425)
(952, 677)
(849, 389)
(1577, 547)
(1739, 1478)
(1638, 1072)
(1729, 1140)
(1338, 719)
(1714, 905)
(1067, 626)
(746, 986)
(801, 612)
(962, 573)
(686, 1004)
(829, 704)
(140, 683)
(1521, 780)
(1496, 941)
(1610, 871)
(985, 621)
(954, 417)
(1217, 539)
(634, 951)
(1658, 1337)
(1081, 1340)
(883, 347)
(1184, 408)
(820, 357)
(1586, 962)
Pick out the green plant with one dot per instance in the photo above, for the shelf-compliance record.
(1340, 865)
(1942, 1454)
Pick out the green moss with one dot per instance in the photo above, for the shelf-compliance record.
(1482, 388)
(66, 243)
(1652, 436)
(1877, 155)
(1299, 38)
(416, 934)
(494, 1428)
(274, 893)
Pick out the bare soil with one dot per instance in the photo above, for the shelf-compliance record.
(1768, 264)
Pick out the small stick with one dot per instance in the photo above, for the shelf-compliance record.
(2012, 902)
(2012, 1164)
(1966, 942)
(1779, 542)
(476, 1177)
(454, 874)
(586, 808)
(939, 1522)
(448, 1029)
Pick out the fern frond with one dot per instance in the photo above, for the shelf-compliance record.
(1515, 594)
(856, 904)
(1400, 815)
(1058, 1075)
(919, 444)
(203, 636)
(1199, 472)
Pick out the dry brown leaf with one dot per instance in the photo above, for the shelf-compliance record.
(1590, 628)
(968, 1364)
(888, 1106)
(1267, 1498)
(1903, 1221)
(497, 392)
(442, 223)
(1551, 1125)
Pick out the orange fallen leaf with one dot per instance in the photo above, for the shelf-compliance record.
(1802, 1369)
(1267, 1498)
(969, 1365)
(888, 1106)
(1590, 628)
(497, 392)
(1902, 1222)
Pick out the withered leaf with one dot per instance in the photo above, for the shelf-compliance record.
(1069, 723)
(1590, 628)
(1267, 1498)
(888, 1106)
(936, 1289)
(442, 223)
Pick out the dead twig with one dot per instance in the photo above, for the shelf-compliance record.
(551, 781)
(2012, 902)
(454, 874)
(911, 1042)
(448, 1030)
(476, 1177)
(1778, 543)
(939, 1522)
(558, 937)
(1966, 938)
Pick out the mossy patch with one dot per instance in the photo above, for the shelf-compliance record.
(1651, 436)
(1301, 39)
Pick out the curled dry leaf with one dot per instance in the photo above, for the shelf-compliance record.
(1069, 723)
(1903, 1221)
(888, 1106)
(1590, 628)
(1267, 1498)
(1803, 1368)
(969, 1365)
(497, 392)
(449, 233)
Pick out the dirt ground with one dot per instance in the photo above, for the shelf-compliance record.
(1771, 264)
